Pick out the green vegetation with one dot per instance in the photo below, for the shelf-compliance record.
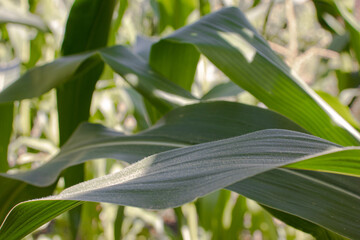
(256, 150)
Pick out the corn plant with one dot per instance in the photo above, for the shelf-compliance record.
(298, 158)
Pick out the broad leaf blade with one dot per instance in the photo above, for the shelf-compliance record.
(228, 40)
(158, 90)
(87, 28)
(172, 178)
(177, 62)
(182, 127)
(39, 80)
(14, 191)
(348, 163)
(304, 225)
(329, 200)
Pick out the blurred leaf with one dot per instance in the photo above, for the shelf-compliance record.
(344, 111)
(264, 221)
(205, 7)
(211, 210)
(36, 46)
(352, 26)
(256, 2)
(327, 13)
(123, 5)
(183, 126)
(139, 111)
(118, 222)
(28, 19)
(228, 40)
(142, 47)
(174, 177)
(347, 80)
(173, 12)
(339, 43)
(237, 219)
(222, 90)
(6, 121)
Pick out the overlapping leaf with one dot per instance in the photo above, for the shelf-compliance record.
(228, 40)
(161, 92)
(182, 127)
(174, 177)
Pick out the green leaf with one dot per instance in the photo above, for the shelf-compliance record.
(160, 91)
(174, 177)
(306, 226)
(182, 127)
(328, 200)
(347, 79)
(87, 28)
(204, 7)
(123, 5)
(222, 90)
(352, 26)
(27, 19)
(47, 209)
(173, 12)
(6, 112)
(33, 84)
(344, 111)
(228, 40)
(177, 62)
(349, 159)
(118, 222)
(14, 191)
(236, 49)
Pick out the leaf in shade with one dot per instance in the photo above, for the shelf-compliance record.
(228, 40)
(174, 177)
(352, 26)
(6, 121)
(182, 127)
(330, 201)
(160, 91)
(87, 28)
(172, 13)
(223, 90)
(177, 62)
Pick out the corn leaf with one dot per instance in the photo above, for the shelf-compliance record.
(177, 176)
(182, 127)
(228, 40)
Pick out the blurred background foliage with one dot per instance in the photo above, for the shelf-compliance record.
(317, 39)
